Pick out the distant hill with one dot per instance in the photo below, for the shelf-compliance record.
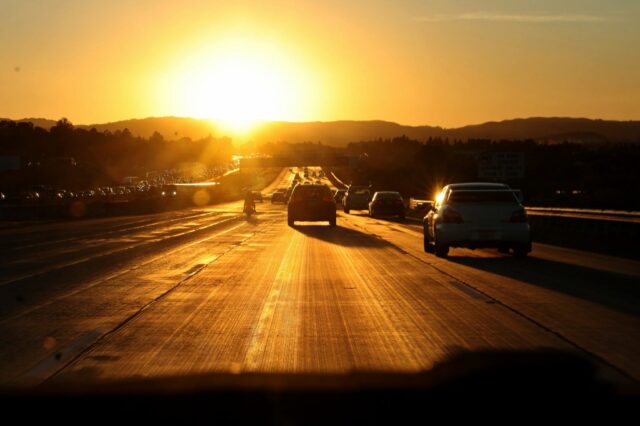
(169, 127)
(45, 123)
(340, 133)
(552, 129)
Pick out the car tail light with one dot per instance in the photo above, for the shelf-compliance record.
(519, 216)
(451, 216)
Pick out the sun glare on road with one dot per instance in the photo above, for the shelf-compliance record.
(238, 84)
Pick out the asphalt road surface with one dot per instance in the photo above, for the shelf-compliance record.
(207, 290)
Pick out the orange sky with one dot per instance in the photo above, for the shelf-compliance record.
(436, 62)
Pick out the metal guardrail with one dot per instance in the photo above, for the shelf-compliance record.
(594, 212)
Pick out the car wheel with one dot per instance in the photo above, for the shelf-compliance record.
(441, 250)
(401, 216)
(428, 247)
(332, 222)
(346, 210)
(290, 221)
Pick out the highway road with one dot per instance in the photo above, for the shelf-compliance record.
(207, 290)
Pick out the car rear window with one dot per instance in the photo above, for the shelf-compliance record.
(483, 196)
(312, 191)
(388, 196)
(359, 192)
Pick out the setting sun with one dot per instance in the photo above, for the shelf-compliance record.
(238, 84)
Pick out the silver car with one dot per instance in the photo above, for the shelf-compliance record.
(476, 215)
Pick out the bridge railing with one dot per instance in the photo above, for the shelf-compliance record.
(613, 215)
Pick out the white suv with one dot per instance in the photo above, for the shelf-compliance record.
(475, 215)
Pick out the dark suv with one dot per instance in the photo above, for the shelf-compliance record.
(311, 203)
(386, 203)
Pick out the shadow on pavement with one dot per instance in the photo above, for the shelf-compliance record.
(391, 219)
(613, 290)
(340, 235)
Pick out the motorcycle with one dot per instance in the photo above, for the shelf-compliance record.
(249, 209)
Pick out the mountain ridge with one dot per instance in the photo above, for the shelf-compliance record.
(342, 132)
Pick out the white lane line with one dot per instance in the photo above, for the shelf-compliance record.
(116, 251)
(58, 358)
(54, 364)
(118, 228)
(260, 334)
(110, 277)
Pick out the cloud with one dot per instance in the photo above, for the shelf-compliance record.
(503, 17)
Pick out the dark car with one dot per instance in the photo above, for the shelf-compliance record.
(387, 203)
(356, 198)
(311, 203)
(279, 196)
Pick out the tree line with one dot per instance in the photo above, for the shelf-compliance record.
(603, 175)
(106, 155)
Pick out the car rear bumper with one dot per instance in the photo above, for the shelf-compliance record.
(321, 213)
(468, 235)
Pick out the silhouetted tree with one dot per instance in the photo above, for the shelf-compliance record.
(156, 138)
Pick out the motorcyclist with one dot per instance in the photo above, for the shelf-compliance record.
(249, 202)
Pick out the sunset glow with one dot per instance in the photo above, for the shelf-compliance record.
(431, 62)
(237, 84)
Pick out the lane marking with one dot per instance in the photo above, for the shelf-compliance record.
(123, 227)
(100, 335)
(116, 251)
(108, 278)
(59, 357)
(47, 369)
(259, 336)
